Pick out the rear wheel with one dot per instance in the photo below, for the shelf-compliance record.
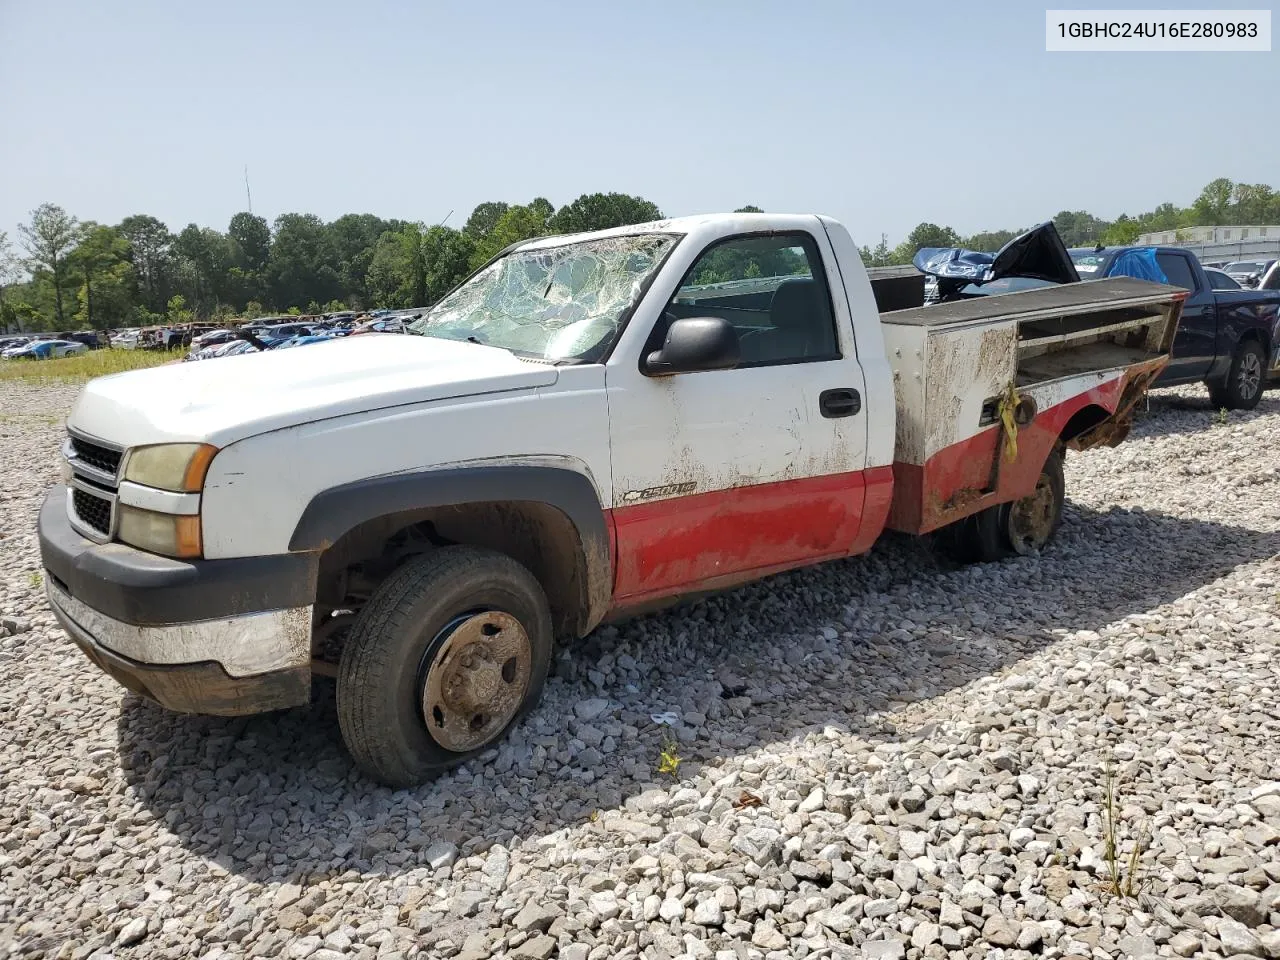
(444, 658)
(1012, 529)
(1241, 389)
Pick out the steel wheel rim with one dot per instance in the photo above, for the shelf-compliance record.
(477, 680)
(1250, 375)
(1031, 518)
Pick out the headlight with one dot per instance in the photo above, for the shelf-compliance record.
(171, 466)
(164, 533)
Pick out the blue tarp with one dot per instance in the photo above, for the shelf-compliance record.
(1140, 262)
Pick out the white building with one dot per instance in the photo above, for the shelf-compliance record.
(1211, 244)
(1186, 235)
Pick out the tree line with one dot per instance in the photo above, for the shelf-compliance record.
(1220, 203)
(62, 273)
(65, 274)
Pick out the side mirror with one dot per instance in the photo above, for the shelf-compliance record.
(693, 344)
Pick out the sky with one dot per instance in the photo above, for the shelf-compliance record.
(880, 114)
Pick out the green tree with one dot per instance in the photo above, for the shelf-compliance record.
(398, 272)
(517, 223)
(204, 261)
(150, 249)
(601, 211)
(989, 241)
(924, 235)
(176, 310)
(302, 265)
(880, 256)
(101, 262)
(48, 238)
(484, 218)
(353, 238)
(251, 241)
(1122, 232)
(1079, 228)
(1163, 217)
(10, 271)
(749, 208)
(1213, 205)
(447, 256)
(1253, 201)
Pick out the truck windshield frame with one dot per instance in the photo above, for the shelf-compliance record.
(561, 303)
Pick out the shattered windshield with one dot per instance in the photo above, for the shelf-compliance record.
(1088, 264)
(565, 302)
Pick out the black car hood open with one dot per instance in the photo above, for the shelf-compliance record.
(1039, 254)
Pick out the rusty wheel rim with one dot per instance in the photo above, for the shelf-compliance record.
(1031, 518)
(477, 681)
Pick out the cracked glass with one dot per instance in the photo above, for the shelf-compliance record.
(559, 303)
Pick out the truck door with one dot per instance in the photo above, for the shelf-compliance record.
(1195, 345)
(720, 475)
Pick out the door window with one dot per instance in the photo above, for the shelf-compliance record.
(1177, 269)
(774, 292)
(1220, 281)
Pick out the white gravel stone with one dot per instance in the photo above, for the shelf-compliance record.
(1236, 937)
(926, 765)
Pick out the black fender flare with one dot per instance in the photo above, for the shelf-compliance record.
(334, 512)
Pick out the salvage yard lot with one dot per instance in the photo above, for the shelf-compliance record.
(886, 756)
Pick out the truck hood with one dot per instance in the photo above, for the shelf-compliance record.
(223, 400)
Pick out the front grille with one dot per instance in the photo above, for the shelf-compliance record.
(95, 455)
(93, 512)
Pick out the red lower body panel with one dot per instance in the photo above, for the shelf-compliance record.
(713, 540)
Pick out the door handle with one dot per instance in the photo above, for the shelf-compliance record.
(840, 402)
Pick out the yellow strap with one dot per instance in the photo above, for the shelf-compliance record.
(1008, 403)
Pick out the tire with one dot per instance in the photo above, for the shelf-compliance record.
(1011, 529)
(1242, 387)
(425, 646)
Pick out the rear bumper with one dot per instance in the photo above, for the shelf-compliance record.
(223, 637)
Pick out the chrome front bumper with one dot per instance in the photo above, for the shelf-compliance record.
(205, 686)
(242, 646)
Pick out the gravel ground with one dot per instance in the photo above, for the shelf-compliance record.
(886, 757)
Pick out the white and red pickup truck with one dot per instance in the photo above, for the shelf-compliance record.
(588, 426)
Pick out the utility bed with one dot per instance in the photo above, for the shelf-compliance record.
(955, 363)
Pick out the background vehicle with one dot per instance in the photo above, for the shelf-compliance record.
(587, 428)
(126, 340)
(385, 325)
(1220, 281)
(1272, 279)
(44, 350)
(90, 338)
(1247, 273)
(303, 340)
(1226, 338)
(6, 342)
(211, 338)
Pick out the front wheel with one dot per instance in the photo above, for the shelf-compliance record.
(444, 658)
(1242, 387)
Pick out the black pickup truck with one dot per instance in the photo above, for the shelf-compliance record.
(1227, 339)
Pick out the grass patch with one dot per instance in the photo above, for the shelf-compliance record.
(85, 366)
(1124, 872)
